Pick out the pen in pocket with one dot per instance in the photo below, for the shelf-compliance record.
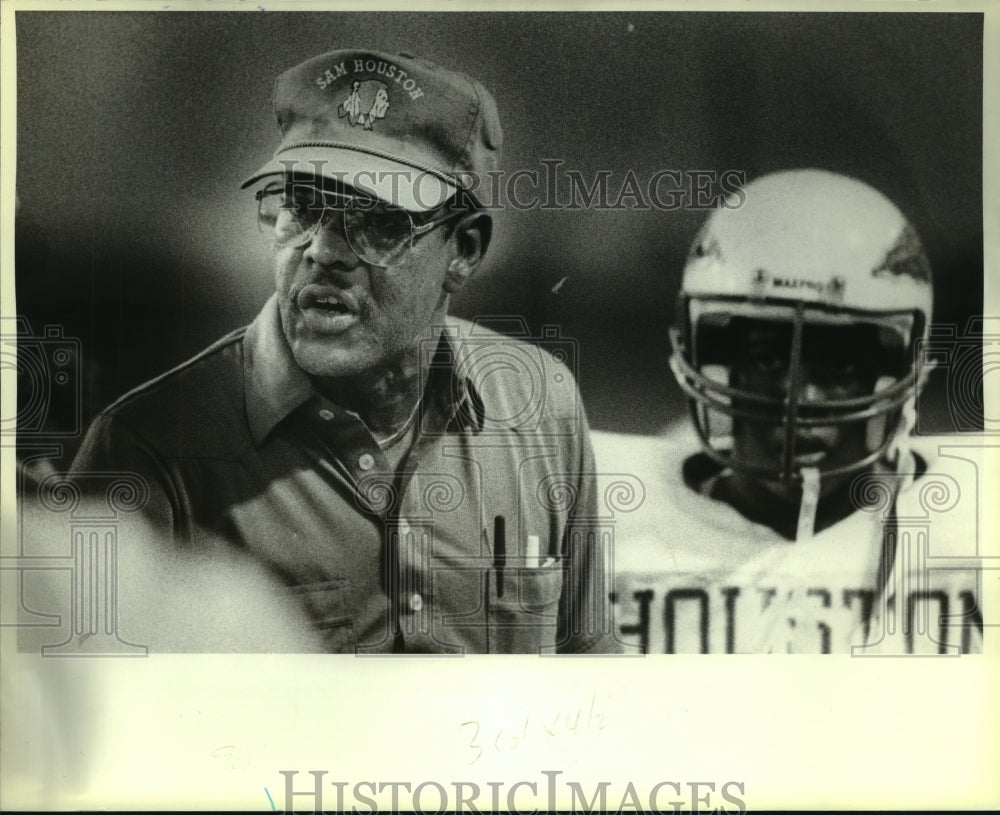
(531, 556)
(499, 550)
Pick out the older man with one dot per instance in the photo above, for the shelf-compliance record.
(420, 483)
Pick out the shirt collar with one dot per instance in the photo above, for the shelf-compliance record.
(275, 385)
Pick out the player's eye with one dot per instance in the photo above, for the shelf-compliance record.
(835, 364)
(841, 368)
(769, 362)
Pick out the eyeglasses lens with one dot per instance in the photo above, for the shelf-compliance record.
(290, 216)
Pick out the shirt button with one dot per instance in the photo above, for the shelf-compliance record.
(366, 461)
(326, 415)
(416, 602)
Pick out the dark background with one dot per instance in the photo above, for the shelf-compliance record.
(136, 129)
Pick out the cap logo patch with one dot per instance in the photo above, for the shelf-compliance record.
(367, 102)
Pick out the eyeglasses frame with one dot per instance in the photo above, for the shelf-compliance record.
(416, 230)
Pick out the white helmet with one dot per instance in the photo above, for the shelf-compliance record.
(806, 246)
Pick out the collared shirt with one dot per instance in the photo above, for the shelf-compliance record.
(488, 536)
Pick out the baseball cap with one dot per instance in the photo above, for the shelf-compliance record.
(403, 128)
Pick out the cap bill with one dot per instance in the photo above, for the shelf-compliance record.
(390, 181)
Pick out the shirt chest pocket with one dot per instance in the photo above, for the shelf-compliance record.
(523, 610)
(327, 604)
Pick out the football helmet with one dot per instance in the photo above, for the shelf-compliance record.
(806, 247)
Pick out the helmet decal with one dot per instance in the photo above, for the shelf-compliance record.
(905, 258)
(706, 245)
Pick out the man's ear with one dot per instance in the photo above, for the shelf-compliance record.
(472, 236)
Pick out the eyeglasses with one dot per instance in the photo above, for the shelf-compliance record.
(290, 215)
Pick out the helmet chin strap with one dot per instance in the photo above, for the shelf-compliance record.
(807, 506)
(899, 451)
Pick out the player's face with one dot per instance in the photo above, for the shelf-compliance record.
(837, 363)
(344, 317)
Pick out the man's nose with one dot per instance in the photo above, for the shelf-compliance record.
(810, 388)
(328, 245)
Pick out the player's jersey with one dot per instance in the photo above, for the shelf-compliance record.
(693, 575)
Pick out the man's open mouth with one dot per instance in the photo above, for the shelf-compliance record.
(327, 310)
(331, 304)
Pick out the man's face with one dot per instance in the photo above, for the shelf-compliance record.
(343, 316)
(838, 362)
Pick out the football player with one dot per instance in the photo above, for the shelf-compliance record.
(808, 521)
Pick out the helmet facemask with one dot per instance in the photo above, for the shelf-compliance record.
(777, 388)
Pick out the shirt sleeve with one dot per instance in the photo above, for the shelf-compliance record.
(112, 447)
(585, 620)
